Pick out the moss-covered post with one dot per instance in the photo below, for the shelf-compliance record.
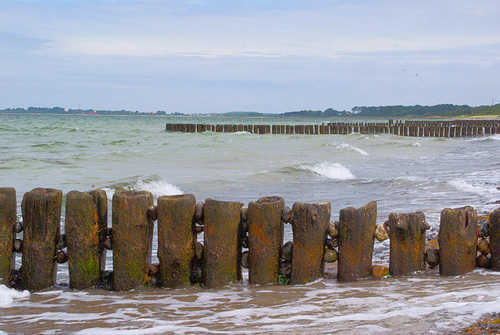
(265, 237)
(131, 232)
(176, 238)
(82, 236)
(457, 241)
(101, 206)
(407, 246)
(356, 229)
(495, 239)
(222, 248)
(8, 216)
(309, 225)
(41, 208)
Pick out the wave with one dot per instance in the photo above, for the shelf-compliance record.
(493, 137)
(8, 295)
(335, 171)
(482, 189)
(156, 185)
(349, 147)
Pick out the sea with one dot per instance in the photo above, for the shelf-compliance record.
(116, 153)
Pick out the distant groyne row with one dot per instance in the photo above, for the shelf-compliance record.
(452, 128)
(228, 228)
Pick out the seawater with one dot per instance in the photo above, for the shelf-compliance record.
(114, 153)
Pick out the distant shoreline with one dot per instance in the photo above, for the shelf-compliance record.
(441, 111)
(277, 116)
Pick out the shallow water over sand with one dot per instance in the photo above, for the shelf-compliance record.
(412, 305)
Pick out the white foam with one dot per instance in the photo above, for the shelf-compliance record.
(157, 187)
(462, 185)
(8, 295)
(335, 171)
(350, 147)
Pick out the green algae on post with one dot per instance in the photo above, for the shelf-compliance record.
(41, 208)
(8, 215)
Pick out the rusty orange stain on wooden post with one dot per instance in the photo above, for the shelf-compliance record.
(222, 248)
(41, 209)
(495, 239)
(457, 241)
(407, 243)
(309, 225)
(176, 238)
(265, 237)
(8, 216)
(82, 235)
(131, 238)
(356, 229)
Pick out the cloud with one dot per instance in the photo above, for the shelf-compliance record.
(268, 55)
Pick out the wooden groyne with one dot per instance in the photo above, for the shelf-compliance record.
(455, 128)
(235, 236)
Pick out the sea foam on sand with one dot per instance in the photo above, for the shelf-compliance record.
(8, 295)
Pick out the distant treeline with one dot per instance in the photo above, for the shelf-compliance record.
(402, 111)
(443, 110)
(60, 110)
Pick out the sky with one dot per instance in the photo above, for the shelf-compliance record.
(198, 56)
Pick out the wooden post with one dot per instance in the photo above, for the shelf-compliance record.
(495, 239)
(82, 236)
(131, 233)
(41, 208)
(407, 247)
(101, 206)
(176, 238)
(309, 225)
(8, 218)
(356, 230)
(222, 246)
(265, 237)
(457, 241)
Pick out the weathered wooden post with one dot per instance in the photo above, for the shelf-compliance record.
(356, 229)
(495, 239)
(265, 237)
(101, 206)
(309, 224)
(131, 238)
(176, 238)
(82, 236)
(407, 243)
(222, 248)
(8, 216)
(41, 208)
(457, 241)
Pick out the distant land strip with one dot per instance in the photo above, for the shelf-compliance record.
(416, 111)
(456, 128)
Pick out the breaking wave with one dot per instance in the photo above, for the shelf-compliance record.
(335, 171)
(156, 185)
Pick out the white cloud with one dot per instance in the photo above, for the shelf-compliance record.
(262, 54)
